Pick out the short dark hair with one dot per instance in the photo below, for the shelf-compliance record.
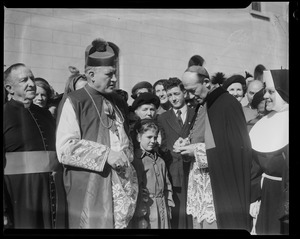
(8, 71)
(143, 125)
(159, 82)
(174, 82)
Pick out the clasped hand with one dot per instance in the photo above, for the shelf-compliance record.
(117, 160)
(184, 147)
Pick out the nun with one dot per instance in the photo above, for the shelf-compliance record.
(270, 143)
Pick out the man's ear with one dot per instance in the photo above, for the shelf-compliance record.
(91, 76)
(9, 88)
(91, 73)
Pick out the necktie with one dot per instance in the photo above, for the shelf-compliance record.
(179, 118)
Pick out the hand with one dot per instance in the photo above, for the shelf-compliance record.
(187, 150)
(180, 142)
(117, 160)
(254, 209)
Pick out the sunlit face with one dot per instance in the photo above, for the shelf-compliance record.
(161, 93)
(273, 99)
(236, 89)
(22, 87)
(148, 139)
(40, 97)
(80, 84)
(103, 78)
(270, 97)
(176, 97)
(194, 89)
(146, 111)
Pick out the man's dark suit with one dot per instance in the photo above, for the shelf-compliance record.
(178, 169)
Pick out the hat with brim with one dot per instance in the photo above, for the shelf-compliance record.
(145, 98)
(234, 79)
(99, 53)
(140, 85)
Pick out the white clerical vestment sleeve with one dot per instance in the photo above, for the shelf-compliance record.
(74, 151)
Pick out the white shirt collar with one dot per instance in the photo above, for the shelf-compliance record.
(183, 110)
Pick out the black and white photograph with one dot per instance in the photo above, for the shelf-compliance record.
(147, 118)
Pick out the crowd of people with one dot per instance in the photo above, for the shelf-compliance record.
(191, 152)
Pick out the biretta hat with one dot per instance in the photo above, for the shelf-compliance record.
(99, 53)
(234, 79)
(145, 98)
(280, 80)
(140, 85)
(200, 70)
(257, 98)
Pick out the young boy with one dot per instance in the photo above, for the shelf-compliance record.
(155, 189)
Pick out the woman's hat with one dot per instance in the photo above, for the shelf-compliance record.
(145, 98)
(234, 79)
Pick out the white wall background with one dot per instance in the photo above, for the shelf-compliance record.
(154, 43)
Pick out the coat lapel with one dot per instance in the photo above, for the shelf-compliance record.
(172, 121)
(189, 118)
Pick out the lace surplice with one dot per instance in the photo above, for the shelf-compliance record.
(200, 199)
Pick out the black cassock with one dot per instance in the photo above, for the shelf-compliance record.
(35, 199)
(229, 161)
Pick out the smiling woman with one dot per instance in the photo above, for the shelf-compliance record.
(270, 170)
(43, 92)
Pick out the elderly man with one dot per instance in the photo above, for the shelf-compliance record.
(94, 146)
(253, 87)
(31, 174)
(225, 155)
